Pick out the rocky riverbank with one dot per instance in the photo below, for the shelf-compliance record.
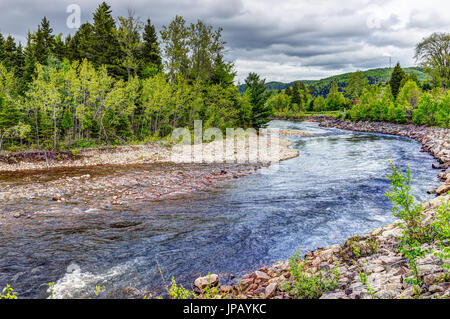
(110, 179)
(214, 152)
(368, 266)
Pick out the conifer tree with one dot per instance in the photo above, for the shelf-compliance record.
(105, 48)
(396, 79)
(258, 97)
(150, 51)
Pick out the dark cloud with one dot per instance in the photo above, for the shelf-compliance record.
(282, 40)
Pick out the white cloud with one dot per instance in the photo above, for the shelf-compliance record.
(282, 40)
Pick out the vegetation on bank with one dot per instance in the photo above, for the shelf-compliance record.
(115, 82)
(405, 98)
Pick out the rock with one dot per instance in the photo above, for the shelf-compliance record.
(17, 215)
(407, 293)
(262, 276)
(246, 282)
(270, 290)
(378, 269)
(443, 189)
(252, 287)
(436, 288)
(203, 282)
(333, 295)
(431, 279)
(226, 289)
(387, 294)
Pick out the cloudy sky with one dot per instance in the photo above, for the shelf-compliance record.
(283, 40)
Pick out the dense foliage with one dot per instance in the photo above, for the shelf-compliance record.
(322, 87)
(114, 82)
(402, 99)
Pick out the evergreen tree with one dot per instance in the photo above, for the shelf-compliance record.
(258, 97)
(396, 79)
(296, 96)
(288, 91)
(105, 47)
(29, 65)
(79, 46)
(2, 42)
(10, 54)
(47, 35)
(150, 52)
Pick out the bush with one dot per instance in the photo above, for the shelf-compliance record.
(441, 227)
(308, 286)
(8, 293)
(411, 214)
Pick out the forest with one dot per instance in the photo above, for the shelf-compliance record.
(116, 81)
(404, 98)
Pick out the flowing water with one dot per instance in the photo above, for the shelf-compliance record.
(334, 189)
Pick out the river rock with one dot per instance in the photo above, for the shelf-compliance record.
(262, 276)
(270, 290)
(203, 282)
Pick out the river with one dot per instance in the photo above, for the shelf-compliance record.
(334, 189)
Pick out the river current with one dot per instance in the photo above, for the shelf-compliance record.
(334, 189)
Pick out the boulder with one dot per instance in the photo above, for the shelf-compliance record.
(203, 282)
(262, 276)
(270, 290)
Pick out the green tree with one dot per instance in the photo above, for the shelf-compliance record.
(105, 47)
(150, 54)
(335, 99)
(356, 83)
(396, 79)
(128, 34)
(176, 47)
(434, 55)
(258, 97)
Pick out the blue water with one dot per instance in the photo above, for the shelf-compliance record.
(334, 189)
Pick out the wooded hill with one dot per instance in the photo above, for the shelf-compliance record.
(322, 87)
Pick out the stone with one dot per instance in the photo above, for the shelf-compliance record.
(226, 289)
(270, 290)
(203, 282)
(262, 276)
(333, 295)
(435, 288)
(443, 189)
(407, 293)
(387, 294)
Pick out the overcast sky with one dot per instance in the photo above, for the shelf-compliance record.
(282, 40)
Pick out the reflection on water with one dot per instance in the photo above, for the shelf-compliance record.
(334, 189)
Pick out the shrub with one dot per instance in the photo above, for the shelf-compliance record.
(441, 226)
(8, 293)
(355, 248)
(309, 286)
(411, 215)
(178, 291)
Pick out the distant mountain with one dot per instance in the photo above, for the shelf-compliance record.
(322, 87)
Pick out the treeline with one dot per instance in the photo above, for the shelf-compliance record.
(293, 102)
(114, 81)
(403, 99)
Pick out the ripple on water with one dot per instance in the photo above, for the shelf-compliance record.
(334, 189)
